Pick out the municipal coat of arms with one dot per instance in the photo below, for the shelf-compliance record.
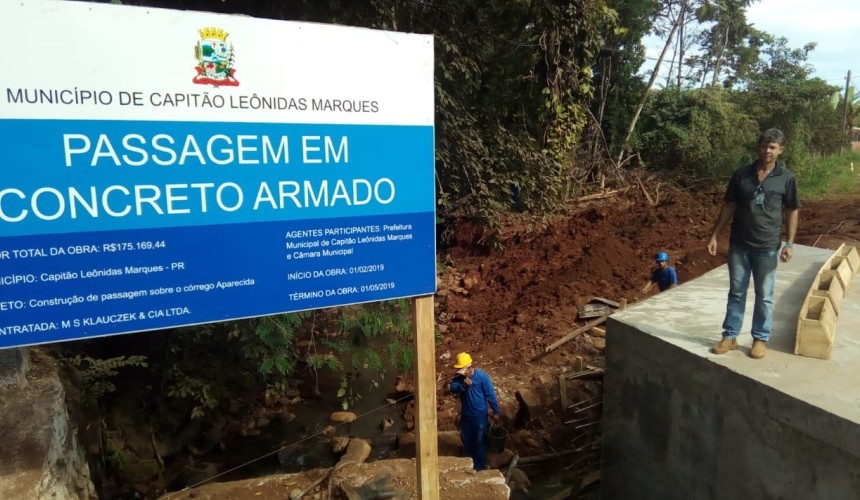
(215, 58)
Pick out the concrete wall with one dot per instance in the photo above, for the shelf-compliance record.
(679, 427)
(682, 423)
(13, 367)
(40, 457)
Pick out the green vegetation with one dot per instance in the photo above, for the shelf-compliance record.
(830, 177)
(535, 101)
(535, 98)
(207, 365)
(195, 371)
(93, 378)
(696, 133)
(360, 325)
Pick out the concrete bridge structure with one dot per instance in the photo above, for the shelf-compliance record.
(682, 423)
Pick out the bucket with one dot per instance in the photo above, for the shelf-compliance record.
(496, 437)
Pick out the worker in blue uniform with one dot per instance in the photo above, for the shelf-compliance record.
(477, 398)
(664, 276)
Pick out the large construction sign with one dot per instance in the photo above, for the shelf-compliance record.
(163, 168)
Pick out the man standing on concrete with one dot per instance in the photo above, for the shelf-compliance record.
(756, 197)
(476, 392)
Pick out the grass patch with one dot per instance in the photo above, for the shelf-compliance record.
(829, 177)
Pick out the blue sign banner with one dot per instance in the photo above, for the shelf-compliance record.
(87, 175)
(249, 167)
(111, 227)
(79, 285)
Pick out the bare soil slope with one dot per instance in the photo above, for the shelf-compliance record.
(505, 306)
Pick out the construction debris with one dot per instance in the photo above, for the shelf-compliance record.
(593, 310)
(572, 335)
(596, 306)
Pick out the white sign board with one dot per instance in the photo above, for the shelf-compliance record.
(164, 168)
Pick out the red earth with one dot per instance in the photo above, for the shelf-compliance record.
(513, 301)
(505, 304)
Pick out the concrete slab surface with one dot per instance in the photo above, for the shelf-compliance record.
(682, 423)
(690, 317)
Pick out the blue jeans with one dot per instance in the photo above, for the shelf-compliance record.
(744, 261)
(473, 434)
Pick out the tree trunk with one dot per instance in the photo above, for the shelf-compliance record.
(681, 43)
(719, 65)
(650, 84)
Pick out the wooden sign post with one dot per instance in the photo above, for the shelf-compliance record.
(426, 445)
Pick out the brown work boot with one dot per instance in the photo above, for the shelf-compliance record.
(758, 349)
(725, 346)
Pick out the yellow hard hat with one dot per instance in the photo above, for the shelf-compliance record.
(463, 360)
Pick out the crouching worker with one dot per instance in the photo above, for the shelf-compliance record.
(664, 276)
(477, 397)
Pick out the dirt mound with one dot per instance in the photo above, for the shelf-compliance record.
(506, 305)
(527, 293)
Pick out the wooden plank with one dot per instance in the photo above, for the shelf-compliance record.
(843, 271)
(598, 331)
(549, 456)
(572, 335)
(590, 479)
(599, 196)
(830, 285)
(562, 391)
(427, 446)
(851, 255)
(591, 372)
(816, 324)
(511, 467)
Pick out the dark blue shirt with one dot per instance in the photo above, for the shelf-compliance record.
(665, 277)
(757, 221)
(475, 397)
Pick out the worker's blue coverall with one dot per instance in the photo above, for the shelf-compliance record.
(473, 415)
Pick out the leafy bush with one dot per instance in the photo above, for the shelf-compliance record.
(699, 133)
(93, 376)
(360, 324)
(830, 175)
(271, 343)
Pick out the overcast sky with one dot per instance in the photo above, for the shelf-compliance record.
(833, 24)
